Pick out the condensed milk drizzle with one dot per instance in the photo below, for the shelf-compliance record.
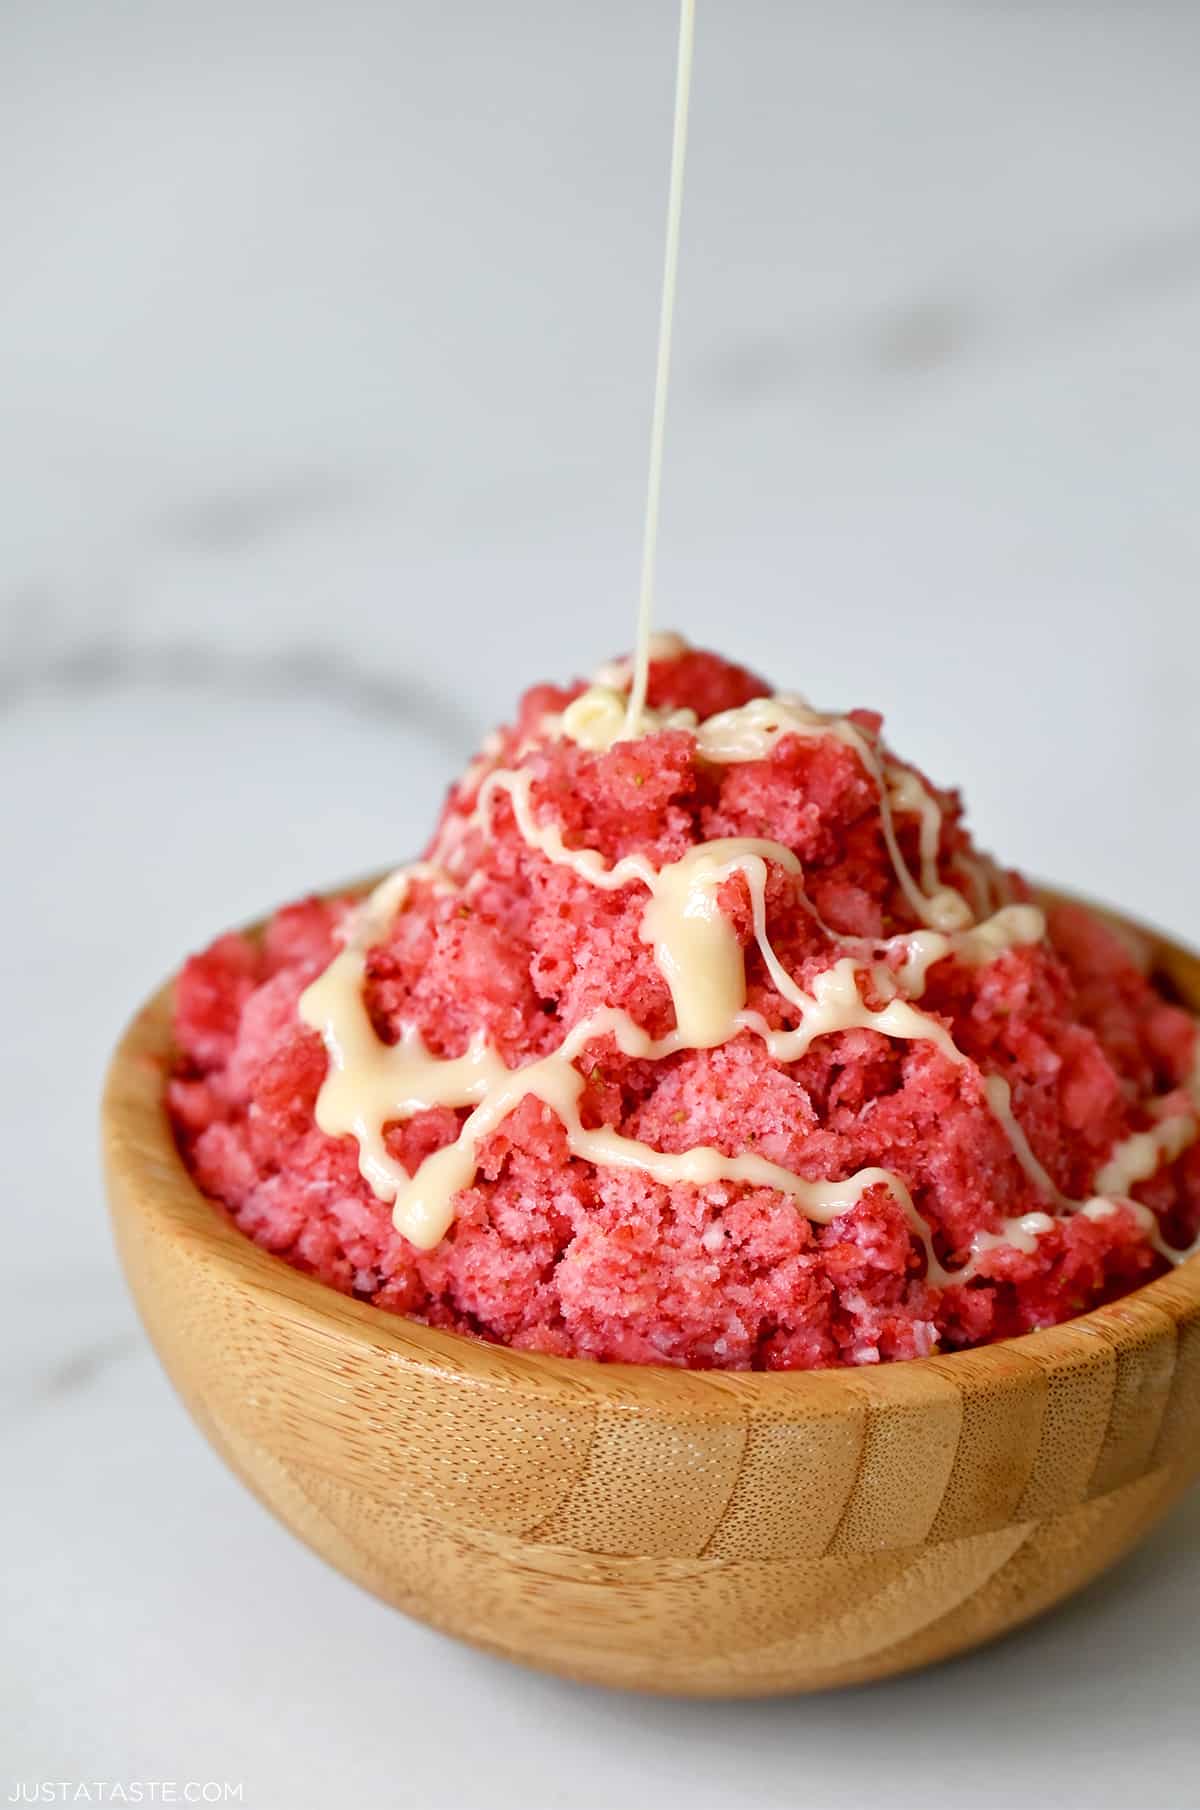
(662, 373)
(370, 1084)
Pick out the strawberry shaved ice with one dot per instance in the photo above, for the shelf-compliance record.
(1042, 1133)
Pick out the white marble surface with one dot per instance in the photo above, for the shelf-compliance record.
(325, 341)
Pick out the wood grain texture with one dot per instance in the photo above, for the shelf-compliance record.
(701, 1533)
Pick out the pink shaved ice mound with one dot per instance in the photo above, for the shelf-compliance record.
(552, 1253)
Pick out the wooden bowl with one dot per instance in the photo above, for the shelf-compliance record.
(694, 1532)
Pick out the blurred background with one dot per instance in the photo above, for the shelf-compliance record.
(326, 347)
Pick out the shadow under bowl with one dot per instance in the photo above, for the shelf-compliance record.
(704, 1533)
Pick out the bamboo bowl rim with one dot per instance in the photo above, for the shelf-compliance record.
(140, 1153)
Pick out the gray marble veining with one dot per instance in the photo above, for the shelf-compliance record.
(89, 665)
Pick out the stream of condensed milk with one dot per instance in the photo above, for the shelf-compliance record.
(662, 373)
(370, 1084)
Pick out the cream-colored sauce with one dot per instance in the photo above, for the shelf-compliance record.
(547, 838)
(695, 945)
(699, 956)
(662, 372)
(1144, 1154)
(907, 793)
(749, 733)
(1024, 1232)
(600, 717)
(999, 1097)
(919, 951)
(1012, 927)
(617, 675)
(1019, 1234)
(596, 719)
(370, 1085)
